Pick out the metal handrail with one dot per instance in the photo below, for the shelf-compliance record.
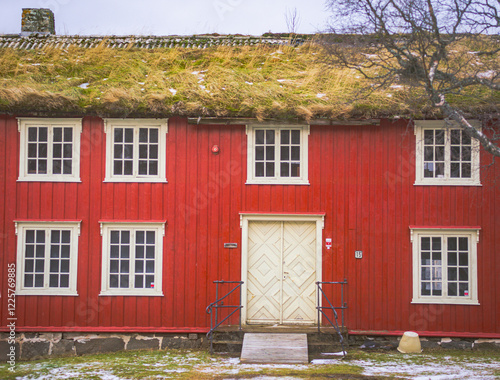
(321, 309)
(218, 304)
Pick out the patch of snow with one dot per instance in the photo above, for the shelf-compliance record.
(334, 353)
(250, 83)
(173, 91)
(389, 95)
(141, 83)
(84, 85)
(396, 86)
(324, 361)
(281, 80)
(320, 96)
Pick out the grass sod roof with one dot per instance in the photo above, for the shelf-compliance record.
(262, 80)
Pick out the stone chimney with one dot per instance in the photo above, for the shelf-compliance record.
(37, 21)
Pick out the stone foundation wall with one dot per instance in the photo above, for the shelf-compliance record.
(30, 346)
(392, 342)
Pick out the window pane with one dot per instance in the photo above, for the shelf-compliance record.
(143, 151)
(29, 265)
(425, 288)
(54, 266)
(64, 266)
(466, 140)
(39, 280)
(285, 137)
(150, 251)
(67, 167)
(452, 243)
(463, 274)
(296, 153)
(295, 136)
(270, 153)
(42, 133)
(463, 259)
(143, 167)
(56, 167)
(452, 289)
(139, 251)
(68, 134)
(139, 266)
(129, 135)
(68, 151)
(124, 281)
(139, 237)
(285, 169)
(118, 151)
(153, 135)
(28, 280)
(128, 151)
(452, 258)
(439, 170)
(259, 169)
(153, 167)
(295, 170)
(425, 243)
(463, 243)
(57, 151)
(32, 134)
(118, 135)
(285, 153)
(270, 136)
(439, 151)
(143, 135)
(452, 274)
(57, 134)
(426, 258)
(113, 281)
(439, 137)
(466, 170)
(127, 168)
(150, 237)
(463, 290)
(426, 274)
(455, 136)
(259, 136)
(269, 169)
(153, 152)
(117, 168)
(436, 243)
(259, 153)
(139, 282)
(455, 153)
(53, 281)
(64, 281)
(455, 170)
(150, 266)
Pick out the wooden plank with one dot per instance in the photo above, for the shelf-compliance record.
(262, 348)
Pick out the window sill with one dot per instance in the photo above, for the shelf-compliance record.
(276, 182)
(135, 180)
(45, 293)
(446, 302)
(125, 293)
(444, 182)
(48, 179)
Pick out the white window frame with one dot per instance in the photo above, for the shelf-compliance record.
(106, 228)
(276, 179)
(420, 127)
(24, 124)
(47, 226)
(472, 233)
(161, 124)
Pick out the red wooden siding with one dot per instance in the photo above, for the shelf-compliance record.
(362, 177)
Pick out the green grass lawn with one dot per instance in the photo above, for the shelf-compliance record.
(201, 365)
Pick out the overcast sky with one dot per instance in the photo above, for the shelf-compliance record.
(168, 17)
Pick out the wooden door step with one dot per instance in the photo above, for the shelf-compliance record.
(269, 348)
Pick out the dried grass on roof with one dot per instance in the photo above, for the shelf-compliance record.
(260, 81)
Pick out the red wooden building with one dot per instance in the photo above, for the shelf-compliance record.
(107, 251)
(122, 224)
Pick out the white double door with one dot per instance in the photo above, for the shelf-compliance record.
(281, 272)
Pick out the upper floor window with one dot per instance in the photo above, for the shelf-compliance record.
(49, 149)
(47, 257)
(132, 258)
(445, 265)
(445, 155)
(135, 150)
(277, 155)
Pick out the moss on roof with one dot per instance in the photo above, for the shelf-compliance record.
(261, 81)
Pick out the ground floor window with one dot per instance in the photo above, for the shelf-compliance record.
(445, 265)
(47, 257)
(132, 258)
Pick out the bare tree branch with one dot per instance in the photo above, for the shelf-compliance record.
(446, 48)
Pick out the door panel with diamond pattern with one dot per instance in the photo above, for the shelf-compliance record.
(281, 272)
